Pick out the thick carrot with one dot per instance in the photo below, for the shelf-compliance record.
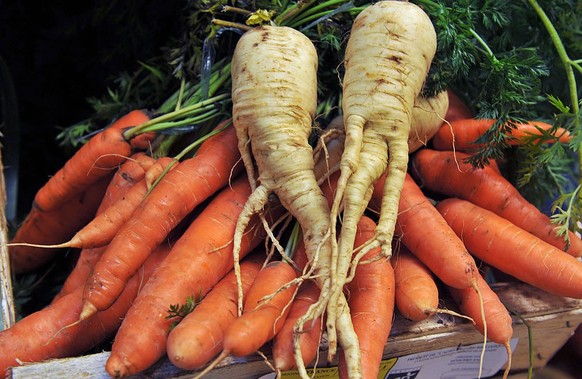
(388, 55)
(198, 337)
(417, 294)
(426, 234)
(450, 174)
(497, 318)
(266, 307)
(462, 134)
(371, 300)
(172, 199)
(309, 338)
(458, 110)
(507, 247)
(273, 111)
(51, 332)
(97, 158)
(198, 260)
(47, 228)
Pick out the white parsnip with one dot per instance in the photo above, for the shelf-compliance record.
(388, 55)
(274, 95)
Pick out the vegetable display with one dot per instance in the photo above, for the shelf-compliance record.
(329, 163)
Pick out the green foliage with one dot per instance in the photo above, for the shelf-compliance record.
(179, 311)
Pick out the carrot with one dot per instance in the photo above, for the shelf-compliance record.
(510, 249)
(308, 338)
(462, 134)
(498, 322)
(199, 336)
(426, 234)
(273, 112)
(123, 181)
(265, 310)
(173, 198)
(198, 260)
(417, 294)
(371, 299)
(46, 228)
(97, 158)
(450, 174)
(387, 58)
(52, 332)
(458, 110)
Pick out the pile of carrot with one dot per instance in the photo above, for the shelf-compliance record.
(259, 240)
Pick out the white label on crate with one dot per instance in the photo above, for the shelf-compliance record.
(449, 363)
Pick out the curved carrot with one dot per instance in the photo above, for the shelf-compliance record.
(450, 174)
(262, 318)
(173, 198)
(417, 294)
(198, 337)
(47, 228)
(94, 160)
(497, 318)
(507, 247)
(198, 260)
(52, 332)
(371, 301)
(462, 134)
(426, 234)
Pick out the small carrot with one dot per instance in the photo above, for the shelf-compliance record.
(371, 300)
(510, 249)
(458, 110)
(172, 199)
(52, 332)
(498, 321)
(198, 260)
(198, 337)
(417, 294)
(450, 174)
(46, 228)
(462, 134)
(427, 235)
(97, 158)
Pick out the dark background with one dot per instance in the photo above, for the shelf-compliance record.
(60, 53)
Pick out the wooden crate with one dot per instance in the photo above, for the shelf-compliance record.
(441, 346)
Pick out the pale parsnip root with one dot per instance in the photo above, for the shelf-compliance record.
(389, 52)
(274, 94)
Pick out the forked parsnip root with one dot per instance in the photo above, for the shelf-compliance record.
(274, 95)
(388, 55)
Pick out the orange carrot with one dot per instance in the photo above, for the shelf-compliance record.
(458, 110)
(462, 134)
(126, 177)
(42, 335)
(371, 301)
(46, 228)
(450, 174)
(417, 294)
(97, 158)
(426, 234)
(198, 260)
(309, 338)
(173, 198)
(497, 318)
(198, 337)
(262, 318)
(510, 249)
